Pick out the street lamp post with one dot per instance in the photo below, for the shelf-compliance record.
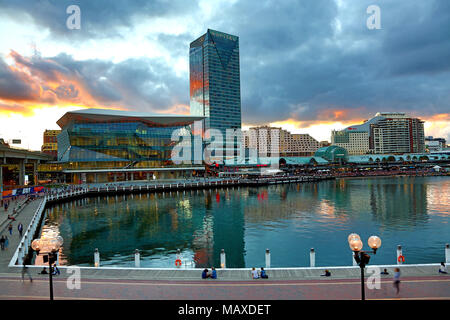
(362, 257)
(49, 243)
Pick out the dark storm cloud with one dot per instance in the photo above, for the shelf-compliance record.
(144, 84)
(99, 18)
(14, 85)
(296, 63)
(298, 59)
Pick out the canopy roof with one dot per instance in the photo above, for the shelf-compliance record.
(106, 115)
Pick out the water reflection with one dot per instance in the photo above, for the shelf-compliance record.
(288, 219)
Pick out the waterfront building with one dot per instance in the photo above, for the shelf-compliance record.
(387, 132)
(98, 145)
(397, 133)
(333, 154)
(215, 90)
(276, 141)
(354, 140)
(50, 143)
(435, 144)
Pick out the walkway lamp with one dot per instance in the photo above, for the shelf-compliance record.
(362, 257)
(49, 244)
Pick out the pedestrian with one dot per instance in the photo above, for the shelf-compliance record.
(20, 228)
(254, 274)
(443, 268)
(213, 273)
(2, 242)
(55, 270)
(263, 274)
(10, 229)
(397, 279)
(25, 270)
(6, 242)
(384, 272)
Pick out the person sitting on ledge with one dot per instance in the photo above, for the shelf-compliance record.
(326, 274)
(443, 268)
(205, 274)
(263, 274)
(213, 273)
(44, 271)
(254, 274)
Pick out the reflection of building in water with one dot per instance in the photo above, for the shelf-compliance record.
(402, 203)
(228, 230)
(291, 201)
(438, 198)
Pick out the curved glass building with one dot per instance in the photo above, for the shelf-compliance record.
(98, 145)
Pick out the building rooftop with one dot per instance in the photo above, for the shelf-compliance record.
(107, 115)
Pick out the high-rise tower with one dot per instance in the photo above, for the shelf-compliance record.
(215, 90)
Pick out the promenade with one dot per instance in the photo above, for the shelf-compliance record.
(418, 281)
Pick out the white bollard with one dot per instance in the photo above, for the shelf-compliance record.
(96, 258)
(20, 256)
(267, 258)
(399, 253)
(447, 253)
(354, 261)
(312, 258)
(137, 259)
(222, 259)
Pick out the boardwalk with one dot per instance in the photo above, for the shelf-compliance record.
(418, 282)
(336, 289)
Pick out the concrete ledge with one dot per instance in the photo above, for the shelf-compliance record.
(241, 274)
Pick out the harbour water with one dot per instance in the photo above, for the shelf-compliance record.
(288, 219)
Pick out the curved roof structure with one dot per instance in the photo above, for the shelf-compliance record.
(332, 153)
(106, 115)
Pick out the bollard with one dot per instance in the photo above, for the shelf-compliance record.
(312, 258)
(96, 258)
(354, 261)
(447, 253)
(399, 253)
(222, 259)
(137, 259)
(267, 258)
(20, 256)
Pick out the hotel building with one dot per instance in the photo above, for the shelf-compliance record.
(387, 132)
(276, 141)
(215, 90)
(50, 145)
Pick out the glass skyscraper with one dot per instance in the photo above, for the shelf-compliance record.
(215, 90)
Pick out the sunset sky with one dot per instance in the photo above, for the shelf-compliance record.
(309, 66)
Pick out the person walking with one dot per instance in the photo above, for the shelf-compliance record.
(10, 229)
(20, 228)
(397, 279)
(2, 242)
(6, 242)
(25, 270)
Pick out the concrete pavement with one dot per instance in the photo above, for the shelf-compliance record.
(331, 289)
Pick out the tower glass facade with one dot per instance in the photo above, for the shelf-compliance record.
(215, 82)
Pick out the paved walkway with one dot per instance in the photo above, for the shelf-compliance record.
(330, 289)
(24, 217)
(418, 281)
